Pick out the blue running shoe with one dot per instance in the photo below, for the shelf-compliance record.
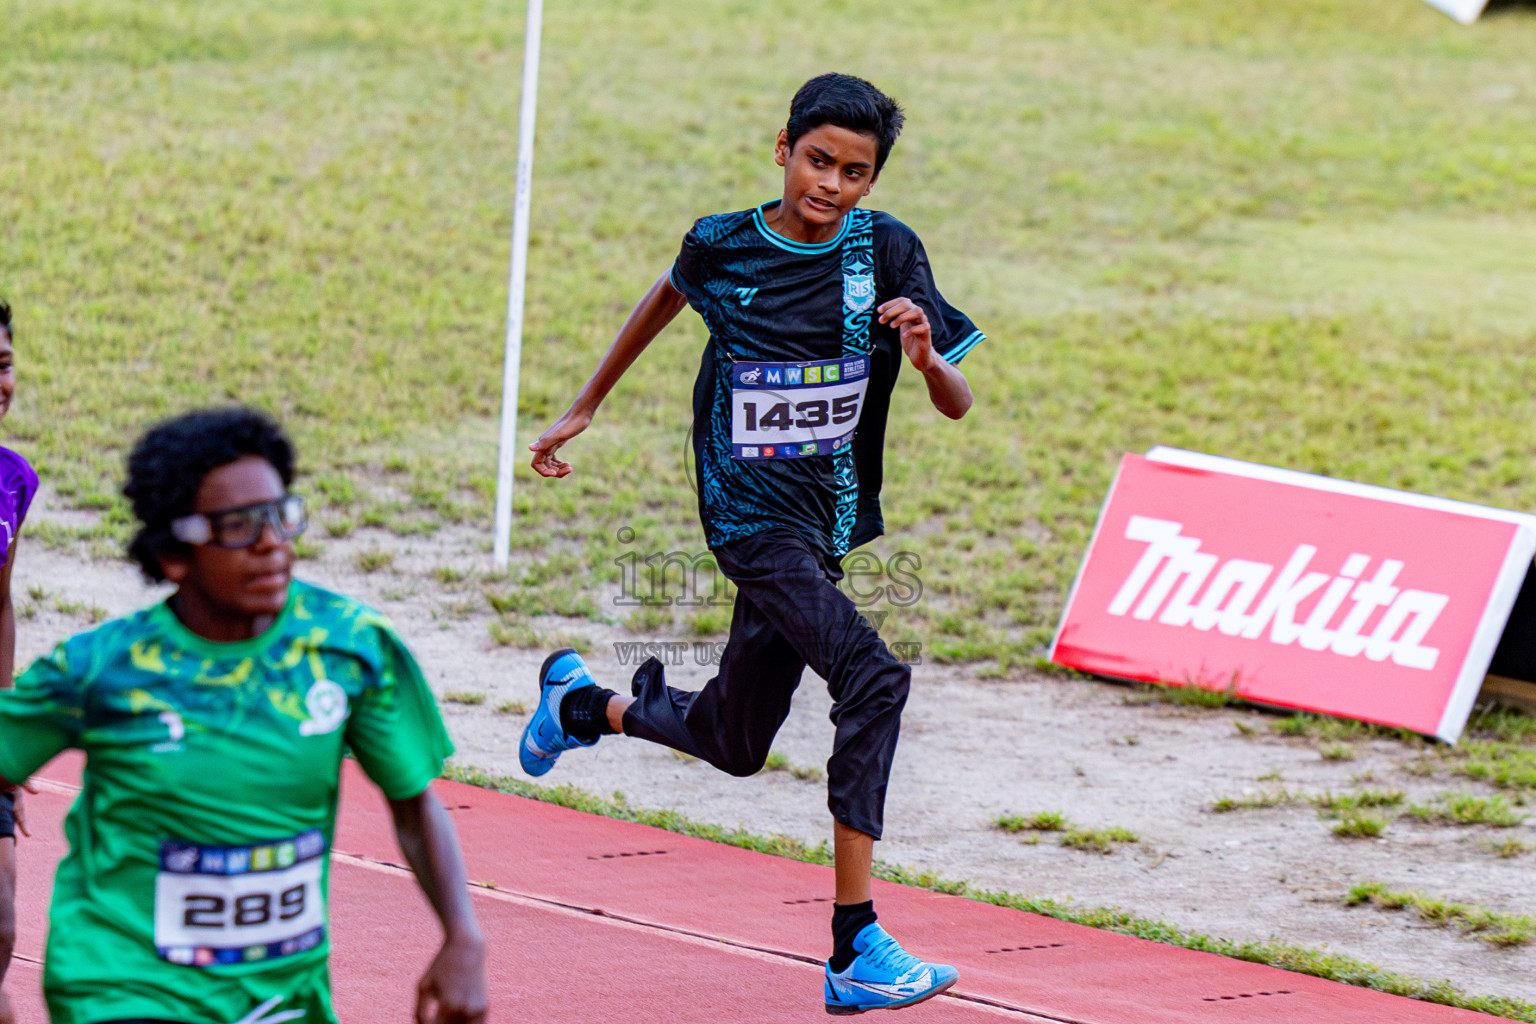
(884, 976)
(544, 740)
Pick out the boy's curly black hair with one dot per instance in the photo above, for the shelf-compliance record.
(5, 320)
(168, 464)
(846, 102)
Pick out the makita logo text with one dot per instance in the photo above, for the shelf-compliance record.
(1172, 571)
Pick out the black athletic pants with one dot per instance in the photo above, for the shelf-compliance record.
(7, 816)
(789, 614)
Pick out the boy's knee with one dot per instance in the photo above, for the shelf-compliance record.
(744, 764)
(895, 684)
(875, 693)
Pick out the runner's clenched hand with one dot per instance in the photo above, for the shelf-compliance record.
(549, 442)
(947, 386)
(19, 814)
(908, 318)
(453, 989)
(19, 809)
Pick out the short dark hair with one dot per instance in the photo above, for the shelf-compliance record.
(168, 464)
(5, 320)
(846, 102)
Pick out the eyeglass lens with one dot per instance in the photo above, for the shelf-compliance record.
(242, 527)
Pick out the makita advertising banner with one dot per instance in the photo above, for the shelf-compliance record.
(1296, 590)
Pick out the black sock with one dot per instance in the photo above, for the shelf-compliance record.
(584, 713)
(847, 922)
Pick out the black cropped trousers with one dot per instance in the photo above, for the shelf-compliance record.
(789, 613)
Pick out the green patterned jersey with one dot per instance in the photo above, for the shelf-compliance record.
(195, 884)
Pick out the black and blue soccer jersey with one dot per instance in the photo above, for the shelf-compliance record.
(794, 388)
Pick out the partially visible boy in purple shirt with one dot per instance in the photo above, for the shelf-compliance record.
(18, 486)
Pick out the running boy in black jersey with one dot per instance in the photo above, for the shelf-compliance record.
(812, 305)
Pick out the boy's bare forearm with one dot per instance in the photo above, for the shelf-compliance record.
(652, 313)
(431, 848)
(453, 989)
(657, 308)
(948, 389)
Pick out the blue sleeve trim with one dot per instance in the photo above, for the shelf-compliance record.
(959, 352)
(672, 279)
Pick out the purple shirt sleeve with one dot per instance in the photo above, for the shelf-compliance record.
(18, 486)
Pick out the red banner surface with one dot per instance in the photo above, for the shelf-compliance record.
(1295, 590)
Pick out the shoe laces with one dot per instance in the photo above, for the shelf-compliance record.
(887, 955)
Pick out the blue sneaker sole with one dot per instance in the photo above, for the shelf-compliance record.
(845, 1010)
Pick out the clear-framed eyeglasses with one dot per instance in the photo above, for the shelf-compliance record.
(241, 527)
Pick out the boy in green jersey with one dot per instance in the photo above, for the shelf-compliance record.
(214, 724)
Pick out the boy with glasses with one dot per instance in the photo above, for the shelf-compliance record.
(214, 724)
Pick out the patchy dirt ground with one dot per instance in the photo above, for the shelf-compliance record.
(972, 749)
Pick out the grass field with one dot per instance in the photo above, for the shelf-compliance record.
(1297, 233)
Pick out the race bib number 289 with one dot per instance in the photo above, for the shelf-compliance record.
(223, 905)
(794, 410)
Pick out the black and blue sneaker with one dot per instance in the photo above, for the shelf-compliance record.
(544, 738)
(884, 976)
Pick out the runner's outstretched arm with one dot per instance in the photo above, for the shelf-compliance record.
(453, 989)
(652, 313)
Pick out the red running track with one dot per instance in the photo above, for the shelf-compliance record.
(646, 925)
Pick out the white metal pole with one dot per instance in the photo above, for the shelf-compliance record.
(516, 285)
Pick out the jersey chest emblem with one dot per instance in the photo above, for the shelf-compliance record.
(176, 730)
(326, 703)
(858, 292)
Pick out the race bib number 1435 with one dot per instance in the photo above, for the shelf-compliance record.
(794, 410)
